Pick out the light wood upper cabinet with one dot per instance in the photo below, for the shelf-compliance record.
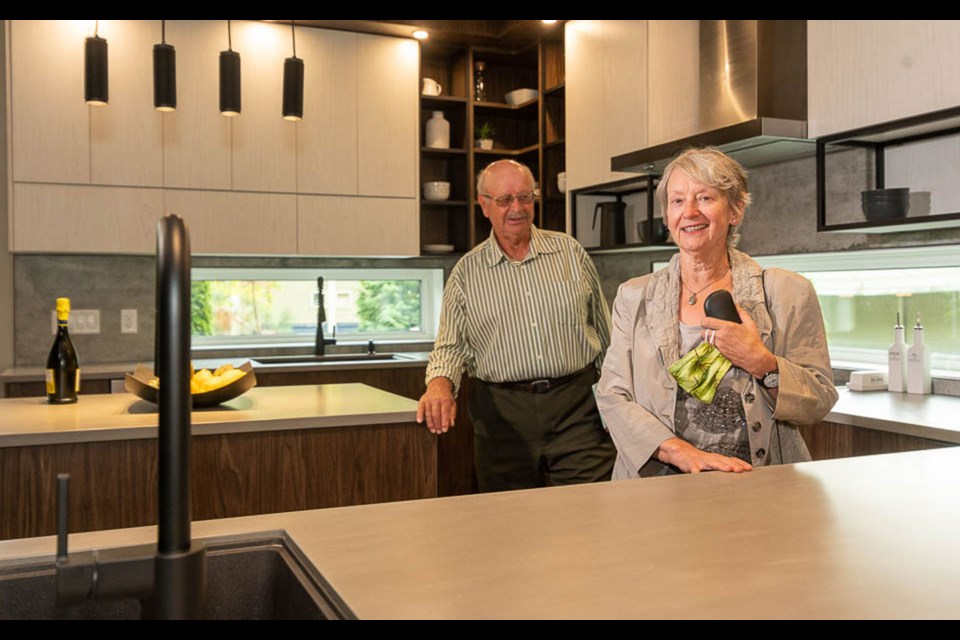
(346, 226)
(50, 122)
(327, 135)
(127, 134)
(865, 72)
(387, 111)
(264, 144)
(236, 180)
(238, 223)
(606, 88)
(55, 218)
(673, 80)
(196, 138)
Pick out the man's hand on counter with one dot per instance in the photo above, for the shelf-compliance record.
(438, 406)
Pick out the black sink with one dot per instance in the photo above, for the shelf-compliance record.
(259, 577)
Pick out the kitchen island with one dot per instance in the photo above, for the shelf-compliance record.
(871, 537)
(271, 449)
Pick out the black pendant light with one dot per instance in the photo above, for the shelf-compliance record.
(95, 85)
(229, 79)
(293, 83)
(164, 73)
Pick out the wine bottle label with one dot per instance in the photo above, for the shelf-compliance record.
(77, 387)
(51, 384)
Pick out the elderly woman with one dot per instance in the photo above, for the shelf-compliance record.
(779, 369)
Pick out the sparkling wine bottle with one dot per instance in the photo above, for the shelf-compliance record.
(63, 370)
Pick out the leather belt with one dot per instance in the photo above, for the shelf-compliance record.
(540, 386)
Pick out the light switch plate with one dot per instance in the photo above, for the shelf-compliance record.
(82, 321)
(128, 321)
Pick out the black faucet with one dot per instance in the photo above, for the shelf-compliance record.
(320, 347)
(170, 578)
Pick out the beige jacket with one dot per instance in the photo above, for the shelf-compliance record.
(637, 396)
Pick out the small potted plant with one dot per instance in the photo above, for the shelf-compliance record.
(485, 133)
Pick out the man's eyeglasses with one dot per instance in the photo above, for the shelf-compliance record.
(507, 199)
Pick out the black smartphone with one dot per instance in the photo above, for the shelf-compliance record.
(719, 304)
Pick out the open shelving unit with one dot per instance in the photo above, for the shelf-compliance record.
(640, 223)
(531, 133)
(914, 152)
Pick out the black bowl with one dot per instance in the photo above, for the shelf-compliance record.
(885, 204)
(137, 383)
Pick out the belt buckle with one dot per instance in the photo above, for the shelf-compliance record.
(540, 386)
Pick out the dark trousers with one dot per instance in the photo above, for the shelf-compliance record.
(524, 440)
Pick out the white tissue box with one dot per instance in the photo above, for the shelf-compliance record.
(867, 381)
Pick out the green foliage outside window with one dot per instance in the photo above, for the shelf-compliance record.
(388, 305)
(201, 313)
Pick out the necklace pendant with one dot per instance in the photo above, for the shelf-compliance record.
(692, 299)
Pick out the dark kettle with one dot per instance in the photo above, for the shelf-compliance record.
(613, 222)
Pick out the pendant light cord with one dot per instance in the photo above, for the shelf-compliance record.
(96, 28)
(293, 33)
(229, 38)
(163, 32)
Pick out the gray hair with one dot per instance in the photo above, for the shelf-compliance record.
(715, 169)
(482, 176)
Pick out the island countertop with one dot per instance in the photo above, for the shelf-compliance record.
(870, 537)
(123, 416)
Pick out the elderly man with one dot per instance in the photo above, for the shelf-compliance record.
(523, 313)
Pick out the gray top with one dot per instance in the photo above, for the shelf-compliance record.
(718, 427)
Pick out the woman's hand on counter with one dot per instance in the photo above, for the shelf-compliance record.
(686, 457)
(438, 406)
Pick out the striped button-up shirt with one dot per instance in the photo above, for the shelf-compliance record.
(508, 321)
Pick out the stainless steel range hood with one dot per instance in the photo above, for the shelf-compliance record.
(753, 96)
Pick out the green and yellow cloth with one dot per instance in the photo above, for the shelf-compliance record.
(700, 371)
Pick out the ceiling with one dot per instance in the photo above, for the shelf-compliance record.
(504, 34)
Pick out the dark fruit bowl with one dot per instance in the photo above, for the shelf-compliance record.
(885, 204)
(138, 383)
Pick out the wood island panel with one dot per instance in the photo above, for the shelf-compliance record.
(455, 463)
(114, 483)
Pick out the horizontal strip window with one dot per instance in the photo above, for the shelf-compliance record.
(279, 307)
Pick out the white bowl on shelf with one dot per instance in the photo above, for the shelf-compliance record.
(436, 191)
(519, 96)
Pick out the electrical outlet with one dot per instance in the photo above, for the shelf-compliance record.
(82, 321)
(128, 321)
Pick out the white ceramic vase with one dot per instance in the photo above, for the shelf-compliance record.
(438, 131)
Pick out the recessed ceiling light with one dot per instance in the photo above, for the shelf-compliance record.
(548, 21)
(420, 34)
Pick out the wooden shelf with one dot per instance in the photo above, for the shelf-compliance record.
(503, 106)
(451, 152)
(443, 203)
(507, 152)
(557, 90)
(441, 101)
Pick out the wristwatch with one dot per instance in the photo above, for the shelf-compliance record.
(771, 380)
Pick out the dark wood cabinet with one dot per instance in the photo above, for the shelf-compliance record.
(829, 440)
